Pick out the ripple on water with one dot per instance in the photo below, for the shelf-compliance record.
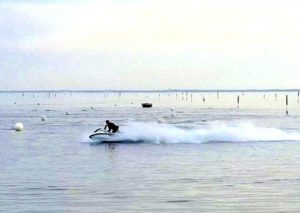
(179, 201)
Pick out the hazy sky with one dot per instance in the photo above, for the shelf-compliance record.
(153, 44)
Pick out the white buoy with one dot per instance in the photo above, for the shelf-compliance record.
(19, 127)
(43, 118)
(160, 120)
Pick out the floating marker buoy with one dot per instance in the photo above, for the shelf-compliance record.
(160, 120)
(43, 118)
(19, 127)
(38, 104)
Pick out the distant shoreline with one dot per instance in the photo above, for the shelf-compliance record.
(152, 91)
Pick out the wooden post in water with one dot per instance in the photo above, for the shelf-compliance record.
(217, 95)
(203, 99)
(298, 96)
(275, 96)
(286, 104)
(238, 101)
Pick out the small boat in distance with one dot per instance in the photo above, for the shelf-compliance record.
(146, 105)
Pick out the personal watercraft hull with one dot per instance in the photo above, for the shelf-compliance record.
(101, 137)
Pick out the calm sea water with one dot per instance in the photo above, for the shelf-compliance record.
(200, 157)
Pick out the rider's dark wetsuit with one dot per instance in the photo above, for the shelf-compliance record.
(111, 127)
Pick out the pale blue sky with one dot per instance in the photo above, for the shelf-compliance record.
(97, 44)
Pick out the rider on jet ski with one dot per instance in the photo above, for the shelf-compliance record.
(111, 127)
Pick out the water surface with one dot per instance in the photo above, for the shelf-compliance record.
(201, 157)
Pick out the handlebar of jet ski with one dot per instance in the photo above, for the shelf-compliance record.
(97, 130)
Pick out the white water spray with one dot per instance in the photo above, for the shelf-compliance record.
(213, 132)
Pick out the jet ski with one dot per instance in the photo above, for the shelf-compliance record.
(101, 136)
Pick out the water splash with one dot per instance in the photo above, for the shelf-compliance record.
(212, 132)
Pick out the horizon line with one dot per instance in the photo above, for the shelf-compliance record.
(148, 90)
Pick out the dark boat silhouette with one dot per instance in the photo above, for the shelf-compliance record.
(146, 105)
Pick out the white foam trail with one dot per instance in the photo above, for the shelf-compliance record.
(222, 132)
